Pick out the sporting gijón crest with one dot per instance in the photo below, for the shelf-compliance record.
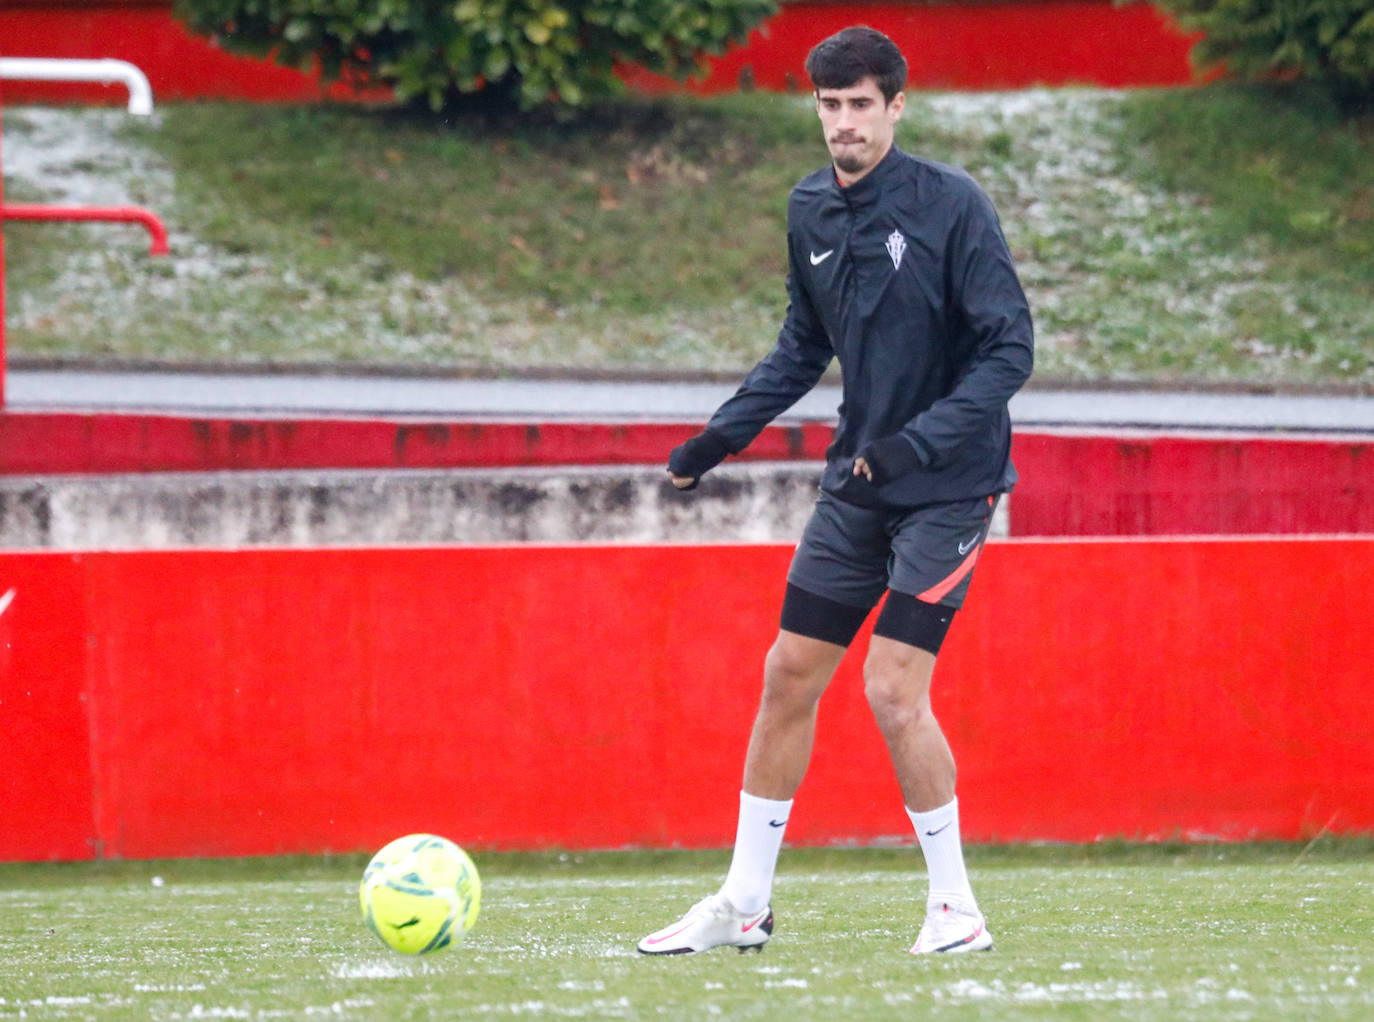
(896, 248)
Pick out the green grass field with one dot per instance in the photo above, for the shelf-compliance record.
(1215, 932)
(1217, 235)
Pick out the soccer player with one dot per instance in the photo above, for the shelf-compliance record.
(899, 269)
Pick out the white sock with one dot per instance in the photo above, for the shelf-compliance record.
(938, 832)
(758, 837)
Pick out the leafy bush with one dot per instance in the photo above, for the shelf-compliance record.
(523, 52)
(1330, 40)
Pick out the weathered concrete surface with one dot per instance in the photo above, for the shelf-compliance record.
(761, 503)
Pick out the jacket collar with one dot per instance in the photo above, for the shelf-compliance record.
(869, 188)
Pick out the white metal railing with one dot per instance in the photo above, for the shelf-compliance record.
(105, 71)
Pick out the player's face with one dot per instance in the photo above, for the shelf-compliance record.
(859, 124)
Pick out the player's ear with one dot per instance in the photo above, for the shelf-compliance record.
(895, 108)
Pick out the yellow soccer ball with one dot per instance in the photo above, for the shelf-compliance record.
(420, 893)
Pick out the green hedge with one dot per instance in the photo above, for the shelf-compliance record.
(524, 52)
(1327, 40)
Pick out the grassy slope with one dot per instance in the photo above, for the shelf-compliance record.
(1224, 234)
(1232, 932)
(1287, 176)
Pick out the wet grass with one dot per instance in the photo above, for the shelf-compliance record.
(1285, 163)
(1284, 177)
(1210, 235)
(1158, 932)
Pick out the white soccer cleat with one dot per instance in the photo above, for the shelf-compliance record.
(951, 927)
(711, 922)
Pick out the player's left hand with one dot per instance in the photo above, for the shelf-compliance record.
(880, 461)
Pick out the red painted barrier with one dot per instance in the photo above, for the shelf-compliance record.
(1071, 485)
(251, 702)
(961, 45)
(179, 65)
(1191, 485)
(967, 45)
(70, 442)
(48, 784)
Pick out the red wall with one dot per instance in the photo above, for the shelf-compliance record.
(963, 45)
(250, 702)
(178, 64)
(967, 44)
(1071, 485)
(48, 784)
(1191, 485)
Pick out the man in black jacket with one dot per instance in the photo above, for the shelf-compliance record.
(899, 269)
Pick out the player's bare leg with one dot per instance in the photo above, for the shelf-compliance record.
(897, 680)
(897, 684)
(796, 673)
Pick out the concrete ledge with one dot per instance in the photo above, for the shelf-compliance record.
(756, 503)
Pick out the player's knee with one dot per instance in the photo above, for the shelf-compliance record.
(897, 684)
(793, 672)
(786, 665)
(895, 708)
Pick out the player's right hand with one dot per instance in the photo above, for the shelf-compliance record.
(691, 460)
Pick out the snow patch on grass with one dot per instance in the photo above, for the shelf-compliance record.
(379, 969)
(1124, 278)
(78, 158)
(973, 990)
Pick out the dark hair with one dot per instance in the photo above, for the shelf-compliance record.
(853, 54)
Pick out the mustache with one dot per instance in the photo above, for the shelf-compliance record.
(845, 137)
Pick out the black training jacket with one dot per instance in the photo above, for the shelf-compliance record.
(905, 277)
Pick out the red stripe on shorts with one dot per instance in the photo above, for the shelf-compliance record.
(938, 591)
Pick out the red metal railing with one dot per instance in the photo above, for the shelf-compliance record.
(115, 214)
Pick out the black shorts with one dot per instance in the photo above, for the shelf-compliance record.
(852, 554)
